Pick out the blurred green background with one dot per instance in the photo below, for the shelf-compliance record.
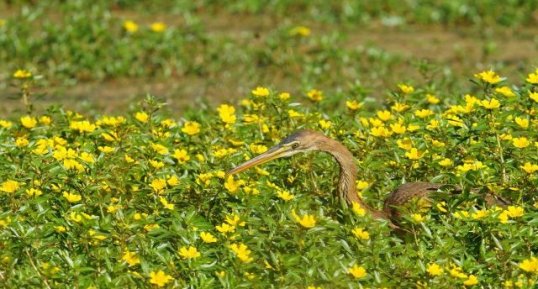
(107, 55)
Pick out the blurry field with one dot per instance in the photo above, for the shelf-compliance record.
(119, 120)
(209, 51)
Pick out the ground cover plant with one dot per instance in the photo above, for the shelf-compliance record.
(141, 200)
(112, 170)
(89, 52)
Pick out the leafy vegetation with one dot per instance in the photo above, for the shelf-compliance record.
(139, 198)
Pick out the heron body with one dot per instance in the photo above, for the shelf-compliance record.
(307, 140)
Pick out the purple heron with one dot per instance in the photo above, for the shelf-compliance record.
(307, 140)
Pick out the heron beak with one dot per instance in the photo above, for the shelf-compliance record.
(273, 153)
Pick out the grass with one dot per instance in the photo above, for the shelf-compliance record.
(135, 195)
(86, 54)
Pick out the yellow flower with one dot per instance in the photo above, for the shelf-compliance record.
(417, 218)
(130, 26)
(529, 265)
(158, 27)
(284, 96)
(87, 157)
(503, 217)
(490, 104)
(399, 107)
(225, 228)
(505, 90)
(489, 77)
(434, 269)
(231, 185)
(315, 95)
(189, 253)
(360, 233)
(159, 278)
(380, 131)
(515, 211)
(522, 122)
(432, 99)
(22, 74)
(151, 227)
(405, 144)
(358, 209)
(227, 113)
(159, 148)
(82, 126)
(158, 184)
(529, 168)
(534, 96)
(260, 91)
(60, 229)
(446, 162)
(9, 186)
(156, 164)
(471, 280)
(72, 197)
(307, 221)
(130, 258)
(357, 271)
(457, 272)
(384, 115)
(181, 156)
(413, 154)
(376, 122)
(21, 142)
(532, 78)
(113, 208)
(242, 252)
(302, 31)
(398, 128)
(105, 149)
(191, 128)
(208, 237)
(353, 105)
(234, 220)
(521, 142)
(413, 127)
(423, 113)
(294, 114)
(257, 149)
(45, 120)
(129, 159)
(142, 116)
(361, 185)
(284, 195)
(173, 181)
(479, 214)
(28, 121)
(406, 89)
(5, 123)
(166, 204)
(34, 192)
(325, 124)
(441, 206)
(111, 121)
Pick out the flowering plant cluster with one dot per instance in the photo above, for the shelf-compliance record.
(142, 199)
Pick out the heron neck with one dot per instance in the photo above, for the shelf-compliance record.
(348, 171)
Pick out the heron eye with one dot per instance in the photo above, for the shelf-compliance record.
(295, 145)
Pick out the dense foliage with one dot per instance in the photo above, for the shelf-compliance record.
(141, 200)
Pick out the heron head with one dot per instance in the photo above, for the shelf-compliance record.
(300, 141)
